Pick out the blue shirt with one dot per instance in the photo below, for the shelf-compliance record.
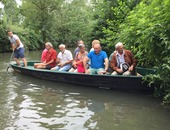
(97, 60)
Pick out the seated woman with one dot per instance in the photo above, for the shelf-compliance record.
(49, 59)
(64, 59)
(77, 65)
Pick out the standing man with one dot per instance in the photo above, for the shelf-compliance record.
(123, 61)
(17, 47)
(49, 59)
(99, 61)
(64, 59)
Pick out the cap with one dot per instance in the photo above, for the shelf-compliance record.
(81, 45)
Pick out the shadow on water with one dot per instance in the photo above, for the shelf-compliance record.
(35, 104)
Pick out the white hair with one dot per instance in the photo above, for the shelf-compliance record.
(62, 45)
(48, 44)
(118, 44)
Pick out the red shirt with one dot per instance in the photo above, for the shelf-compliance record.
(43, 55)
(51, 54)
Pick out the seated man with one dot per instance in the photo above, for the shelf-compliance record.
(50, 58)
(93, 43)
(110, 70)
(99, 61)
(64, 59)
(123, 61)
(77, 48)
(43, 55)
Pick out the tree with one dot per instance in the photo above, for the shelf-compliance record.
(38, 14)
(73, 23)
(11, 12)
(146, 31)
(110, 14)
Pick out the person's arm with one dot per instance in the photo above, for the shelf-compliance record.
(14, 46)
(65, 63)
(53, 58)
(106, 63)
(78, 62)
(58, 60)
(17, 43)
(85, 63)
(68, 62)
(113, 64)
(48, 63)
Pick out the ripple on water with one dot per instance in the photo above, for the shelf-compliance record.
(66, 112)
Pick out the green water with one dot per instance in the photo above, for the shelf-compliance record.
(27, 103)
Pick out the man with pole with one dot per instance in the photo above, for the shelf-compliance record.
(18, 48)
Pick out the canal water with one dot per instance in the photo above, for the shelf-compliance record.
(27, 103)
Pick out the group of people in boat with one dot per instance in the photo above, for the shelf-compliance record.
(95, 61)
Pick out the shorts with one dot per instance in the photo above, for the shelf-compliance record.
(48, 67)
(19, 53)
(96, 71)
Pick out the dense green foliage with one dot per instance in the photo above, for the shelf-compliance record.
(144, 29)
(142, 25)
(110, 15)
(57, 21)
(74, 22)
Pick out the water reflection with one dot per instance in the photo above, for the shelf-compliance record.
(50, 108)
(27, 103)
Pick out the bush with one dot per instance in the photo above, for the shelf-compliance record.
(146, 32)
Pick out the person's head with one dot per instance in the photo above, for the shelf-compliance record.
(62, 47)
(81, 47)
(95, 42)
(10, 33)
(48, 45)
(80, 42)
(97, 48)
(119, 47)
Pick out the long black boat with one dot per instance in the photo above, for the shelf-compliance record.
(104, 81)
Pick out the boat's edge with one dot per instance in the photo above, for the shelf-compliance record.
(32, 72)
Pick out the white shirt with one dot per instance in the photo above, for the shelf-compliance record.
(92, 49)
(120, 58)
(14, 39)
(64, 57)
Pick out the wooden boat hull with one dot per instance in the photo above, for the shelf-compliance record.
(104, 81)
